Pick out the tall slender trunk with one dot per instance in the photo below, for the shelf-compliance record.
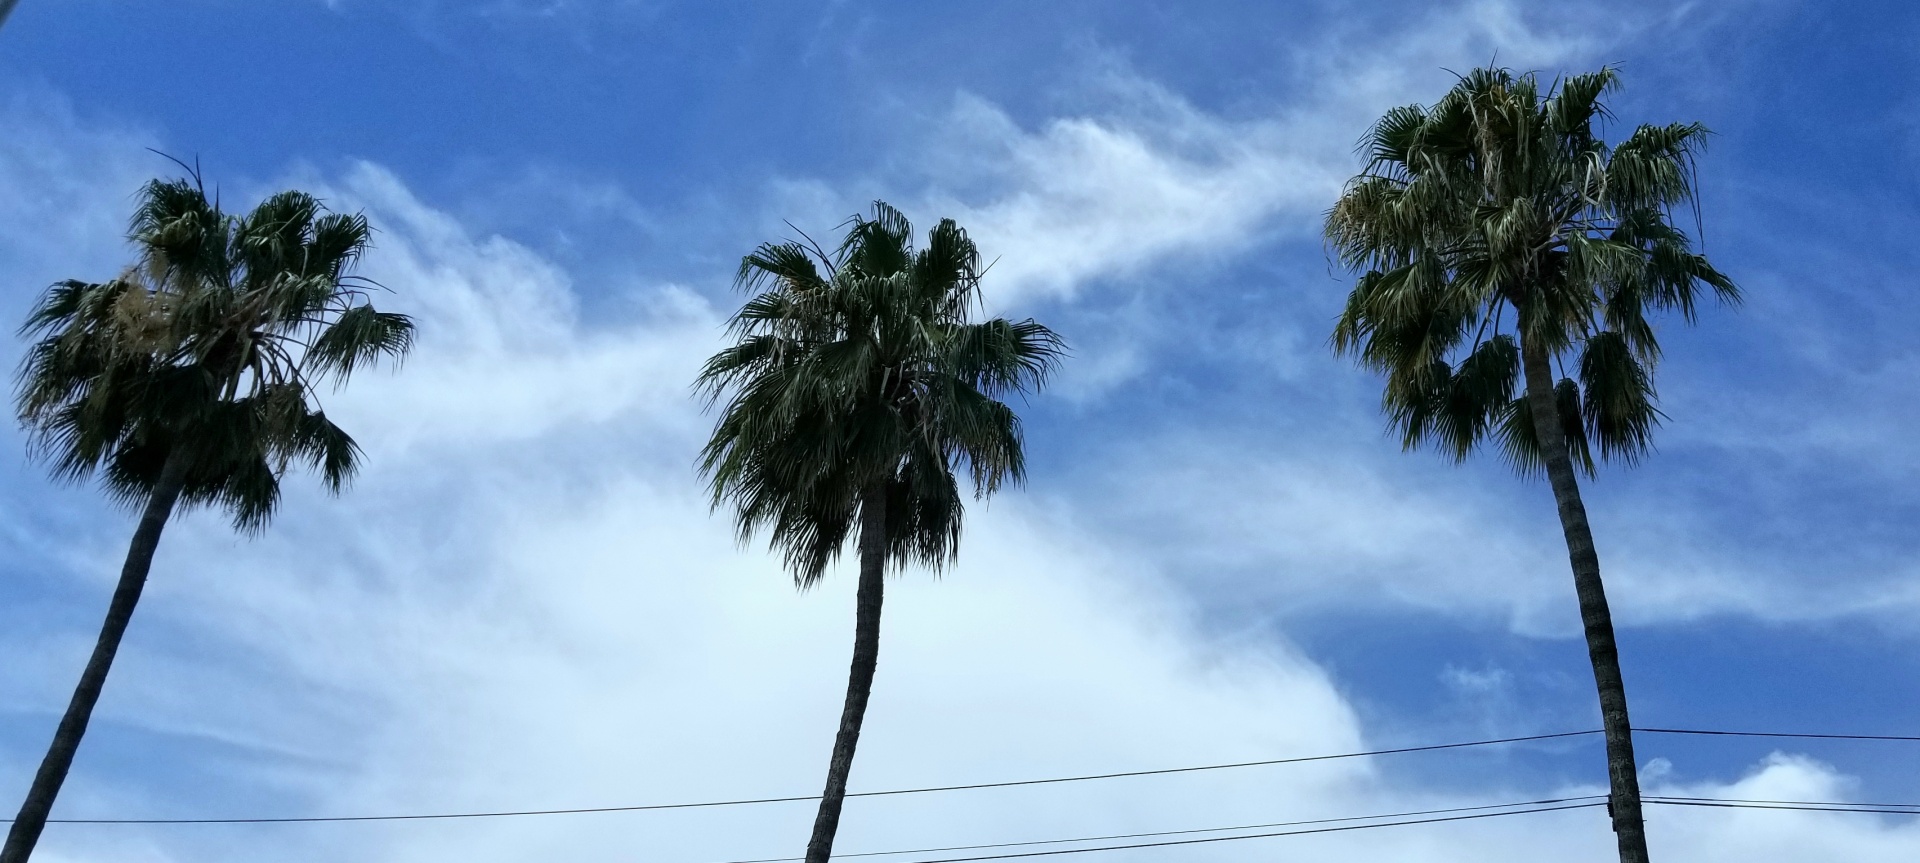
(1622, 777)
(66, 739)
(866, 656)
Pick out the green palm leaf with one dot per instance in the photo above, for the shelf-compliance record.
(869, 374)
(1499, 209)
(209, 347)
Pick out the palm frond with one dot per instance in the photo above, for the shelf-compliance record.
(355, 337)
(1653, 168)
(1617, 398)
(786, 264)
(205, 350)
(1500, 203)
(1576, 105)
(1520, 442)
(870, 377)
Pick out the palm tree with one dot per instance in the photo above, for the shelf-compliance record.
(1499, 235)
(189, 381)
(854, 396)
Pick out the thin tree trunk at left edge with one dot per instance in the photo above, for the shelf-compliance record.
(25, 833)
(866, 657)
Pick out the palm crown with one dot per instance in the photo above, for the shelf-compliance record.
(206, 353)
(867, 379)
(1499, 207)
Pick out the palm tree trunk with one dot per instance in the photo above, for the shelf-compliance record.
(66, 739)
(866, 656)
(1622, 775)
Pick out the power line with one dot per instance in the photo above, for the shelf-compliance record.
(970, 787)
(424, 817)
(1342, 829)
(1780, 734)
(1196, 830)
(1295, 760)
(1804, 806)
(1513, 809)
(1788, 805)
(1787, 802)
(762, 800)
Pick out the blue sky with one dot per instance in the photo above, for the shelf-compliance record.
(1219, 554)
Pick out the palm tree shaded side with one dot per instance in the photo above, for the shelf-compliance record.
(1498, 235)
(858, 389)
(189, 381)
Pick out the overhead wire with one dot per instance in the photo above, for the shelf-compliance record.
(1108, 838)
(1915, 806)
(1778, 734)
(764, 800)
(1212, 839)
(966, 787)
(1788, 805)
(1547, 805)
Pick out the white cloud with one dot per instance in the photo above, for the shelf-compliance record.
(1478, 682)
(1092, 197)
(69, 185)
(504, 354)
(1757, 834)
(1307, 528)
(1153, 178)
(1306, 520)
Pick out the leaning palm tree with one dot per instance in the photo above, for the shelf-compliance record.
(1499, 235)
(854, 396)
(190, 381)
